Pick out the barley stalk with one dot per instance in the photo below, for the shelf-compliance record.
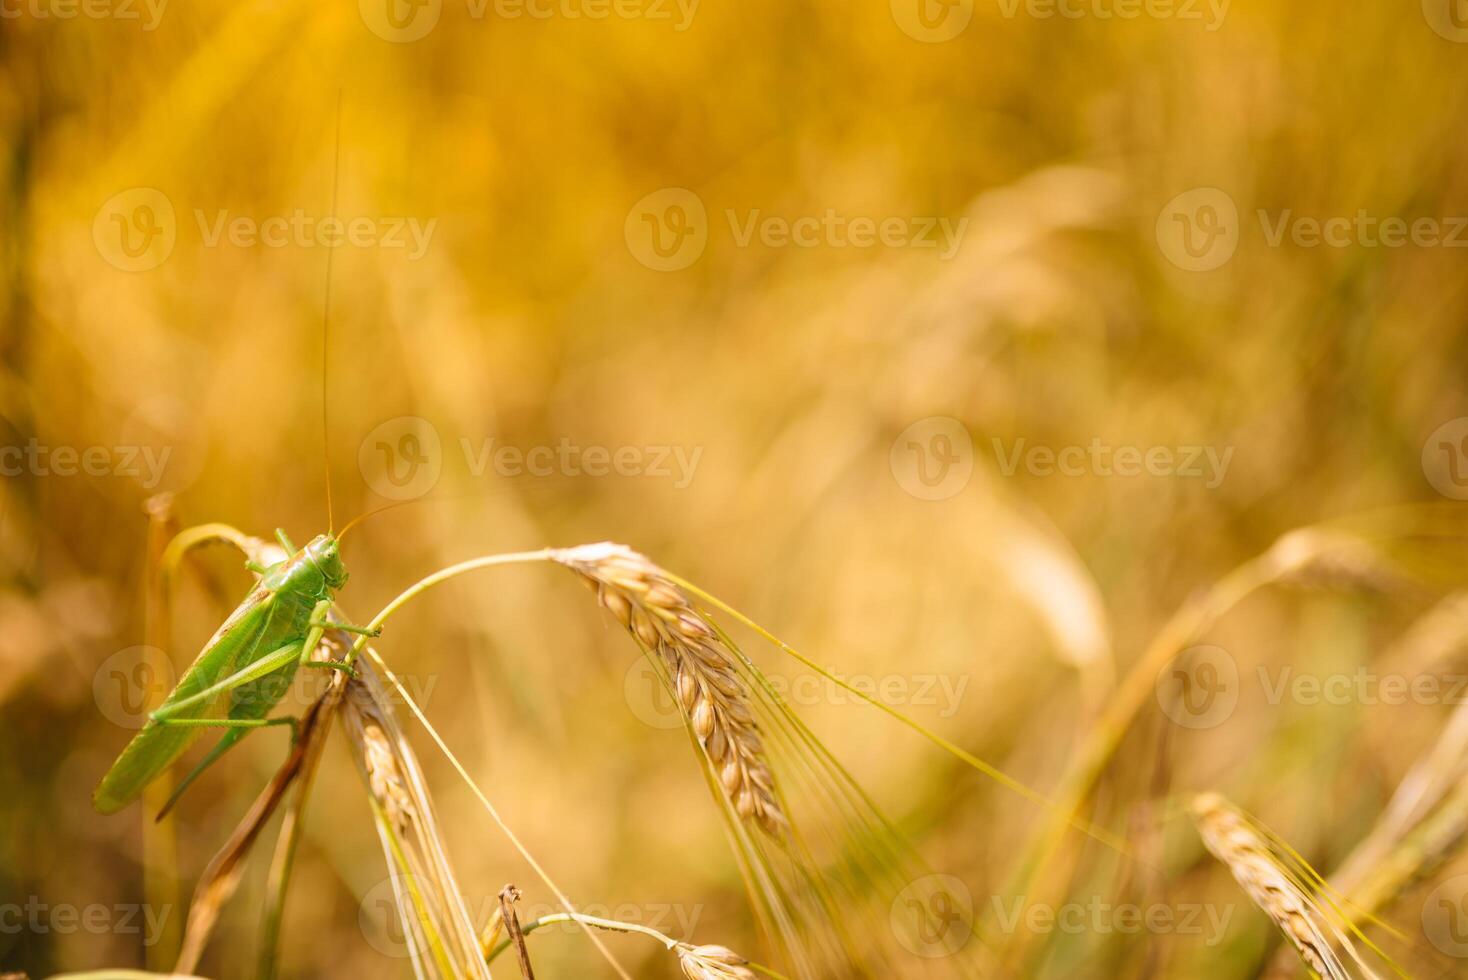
(713, 698)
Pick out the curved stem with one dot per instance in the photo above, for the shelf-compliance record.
(190, 538)
(611, 925)
(443, 575)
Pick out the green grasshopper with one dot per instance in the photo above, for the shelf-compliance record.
(251, 659)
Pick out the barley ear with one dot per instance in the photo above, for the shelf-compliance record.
(713, 963)
(702, 671)
(1245, 850)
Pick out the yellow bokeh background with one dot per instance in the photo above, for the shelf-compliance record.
(778, 392)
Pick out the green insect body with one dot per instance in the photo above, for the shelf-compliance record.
(240, 675)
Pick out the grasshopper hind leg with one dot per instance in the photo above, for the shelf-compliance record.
(237, 730)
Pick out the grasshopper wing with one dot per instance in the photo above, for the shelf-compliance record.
(250, 630)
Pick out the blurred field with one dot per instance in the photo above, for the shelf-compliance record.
(777, 400)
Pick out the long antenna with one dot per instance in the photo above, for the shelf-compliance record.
(336, 175)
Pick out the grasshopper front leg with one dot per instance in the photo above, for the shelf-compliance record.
(319, 625)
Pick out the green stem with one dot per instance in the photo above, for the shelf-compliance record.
(438, 577)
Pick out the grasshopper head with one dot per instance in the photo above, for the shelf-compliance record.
(325, 554)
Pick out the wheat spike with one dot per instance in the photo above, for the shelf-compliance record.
(1233, 839)
(708, 688)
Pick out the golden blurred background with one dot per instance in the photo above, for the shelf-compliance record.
(794, 299)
